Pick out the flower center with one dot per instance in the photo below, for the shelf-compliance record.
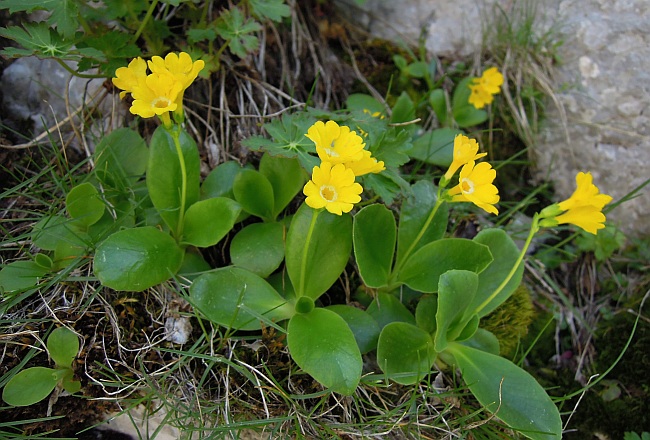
(328, 192)
(467, 186)
(161, 102)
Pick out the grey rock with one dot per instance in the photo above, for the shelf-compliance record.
(604, 82)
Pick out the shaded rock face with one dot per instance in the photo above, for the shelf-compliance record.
(452, 27)
(606, 63)
(604, 81)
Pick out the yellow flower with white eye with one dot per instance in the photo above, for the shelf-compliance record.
(332, 187)
(156, 95)
(475, 185)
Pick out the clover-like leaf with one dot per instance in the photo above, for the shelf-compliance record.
(288, 139)
(238, 31)
(274, 10)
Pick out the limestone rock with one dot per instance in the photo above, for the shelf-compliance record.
(606, 65)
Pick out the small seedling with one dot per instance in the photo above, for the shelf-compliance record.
(35, 384)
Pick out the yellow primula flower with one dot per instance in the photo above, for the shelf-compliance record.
(465, 151)
(583, 208)
(336, 144)
(484, 88)
(127, 78)
(367, 164)
(181, 66)
(475, 185)
(332, 187)
(491, 80)
(479, 97)
(156, 95)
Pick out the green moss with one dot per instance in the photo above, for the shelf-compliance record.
(510, 321)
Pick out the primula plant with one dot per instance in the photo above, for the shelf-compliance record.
(35, 383)
(328, 196)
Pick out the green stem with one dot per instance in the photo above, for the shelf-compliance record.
(175, 133)
(146, 18)
(426, 225)
(305, 251)
(75, 73)
(534, 227)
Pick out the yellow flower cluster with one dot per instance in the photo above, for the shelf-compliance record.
(160, 91)
(343, 159)
(475, 181)
(484, 88)
(583, 209)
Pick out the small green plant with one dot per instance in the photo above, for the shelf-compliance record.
(143, 214)
(104, 34)
(635, 436)
(36, 383)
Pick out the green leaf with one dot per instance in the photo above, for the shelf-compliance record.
(84, 204)
(194, 35)
(208, 221)
(435, 147)
(483, 340)
(505, 254)
(64, 13)
(255, 194)
(322, 344)
(238, 299)
(220, 181)
(136, 259)
(286, 177)
(317, 250)
(465, 114)
(425, 313)
(259, 247)
(374, 235)
(232, 27)
(403, 110)
(364, 326)
(416, 228)
(21, 275)
(274, 10)
(393, 147)
(509, 392)
(37, 39)
(164, 174)
(30, 386)
(424, 268)
(50, 232)
(405, 352)
(289, 139)
(386, 308)
(469, 116)
(362, 101)
(63, 346)
(457, 290)
(121, 158)
(418, 69)
(438, 102)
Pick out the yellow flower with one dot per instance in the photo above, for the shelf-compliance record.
(479, 97)
(475, 185)
(127, 78)
(583, 208)
(367, 164)
(156, 95)
(181, 66)
(491, 80)
(332, 187)
(336, 144)
(465, 151)
(483, 88)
